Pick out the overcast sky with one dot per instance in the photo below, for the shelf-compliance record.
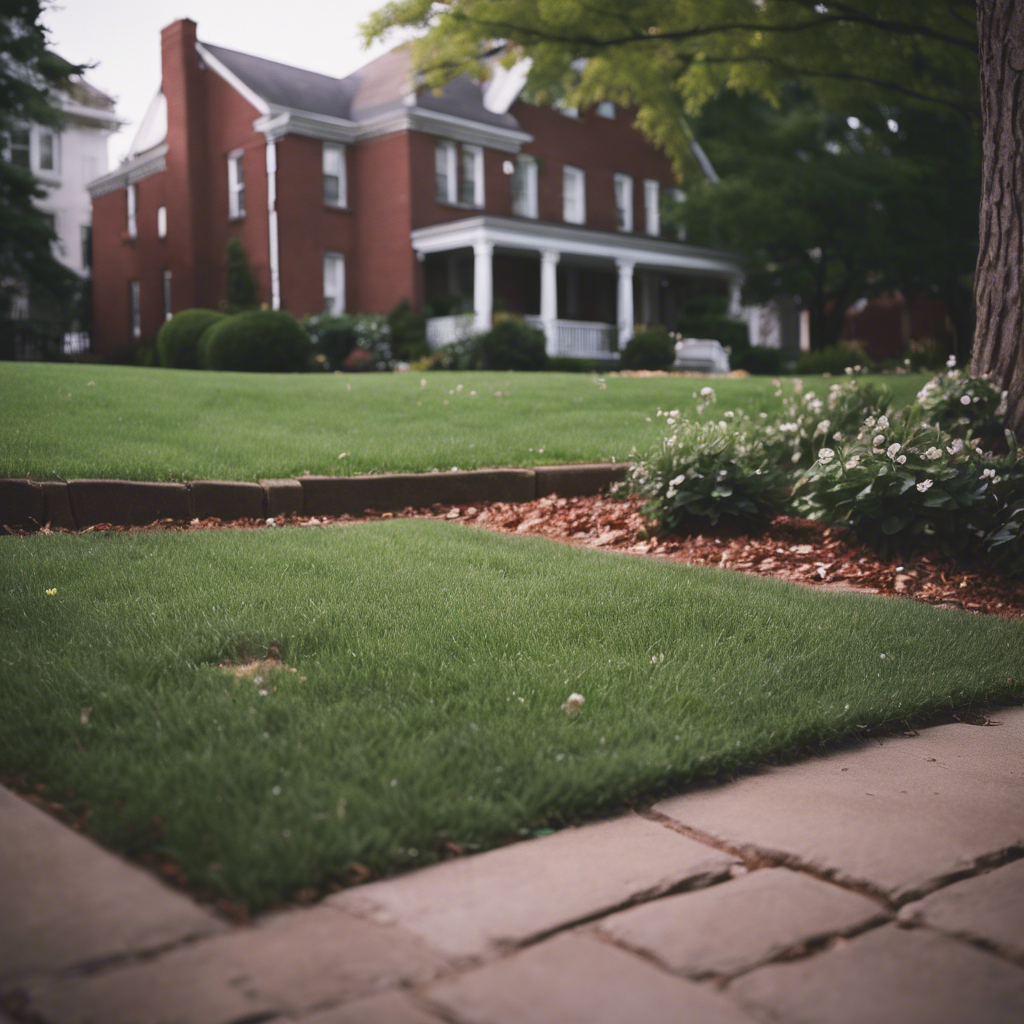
(122, 38)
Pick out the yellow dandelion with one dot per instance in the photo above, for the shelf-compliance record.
(50, 593)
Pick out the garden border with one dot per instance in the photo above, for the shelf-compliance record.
(79, 504)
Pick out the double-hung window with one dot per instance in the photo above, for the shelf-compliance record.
(472, 191)
(167, 294)
(335, 180)
(524, 187)
(574, 199)
(652, 207)
(161, 222)
(20, 148)
(624, 202)
(48, 150)
(446, 172)
(132, 201)
(680, 197)
(135, 308)
(236, 186)
(334, 283)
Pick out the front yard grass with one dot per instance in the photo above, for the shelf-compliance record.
(65, 421)
(431, 664)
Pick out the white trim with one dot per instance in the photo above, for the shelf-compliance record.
(432, 122)
(577, 215)
(152, 130)
(131, 172)
(272, 238)
(540, 236)
(283, 121)
(232, 79)
(505, 85)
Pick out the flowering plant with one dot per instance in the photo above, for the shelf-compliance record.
(959, 403)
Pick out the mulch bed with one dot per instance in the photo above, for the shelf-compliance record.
(796, 550)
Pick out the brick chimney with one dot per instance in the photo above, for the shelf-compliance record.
(187, 168)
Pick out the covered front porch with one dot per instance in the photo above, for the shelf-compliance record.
(586, 290)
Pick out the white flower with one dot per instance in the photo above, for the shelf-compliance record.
(853, 462)
(837, 436)
(878, 440)
(676, 481)
(901, 459)
(965, 399)
(933, 453)
(707, 393)
(870, 421)
(951, 362)
(573, 703)
(956, 446)
(825, 456)
(924, 485)
(892, 449)
(988, 472)
(883, 422)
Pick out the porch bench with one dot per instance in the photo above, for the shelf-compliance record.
(701, 355)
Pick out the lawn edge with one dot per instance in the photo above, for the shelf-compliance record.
(79, 504)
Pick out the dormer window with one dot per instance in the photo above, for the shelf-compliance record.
(574, 201)
(335, 181)
(624, 202)
(472, 192)
(446, 172)
(236, 186)
(524, 187)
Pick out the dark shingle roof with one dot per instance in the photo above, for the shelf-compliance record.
(374, 89)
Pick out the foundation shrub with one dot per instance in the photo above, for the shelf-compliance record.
(759, 361)
(335, 338)
(260, 340)
(511, 345)
(177, 342)
(648, 350)
(408, 333)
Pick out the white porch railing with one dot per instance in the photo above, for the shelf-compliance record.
(579, 339)
(443, 330)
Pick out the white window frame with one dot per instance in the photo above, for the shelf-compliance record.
(574, 213)
(680, 196)
(624, 202)
(333, 166)
(525, 204)
(606, 109)
(165, 282)
(48, 133)
(652, 207)
(471, 192)
(26, 147)
(236, 186)
(446, 172)
(131, 199)
(135, 304)
(161, 222)
(334, 283)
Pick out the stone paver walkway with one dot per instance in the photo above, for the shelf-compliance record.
(884, 882)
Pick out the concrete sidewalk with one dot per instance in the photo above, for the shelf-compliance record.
(882, 883)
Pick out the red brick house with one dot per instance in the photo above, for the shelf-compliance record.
(355, 193)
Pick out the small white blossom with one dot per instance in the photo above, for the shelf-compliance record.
(951, 362)
(883, 422)
(825, 456)
(677, 480)
(924, 485)
(965, 399)
(707, 393)
(878, 440)
(892, 449)
(956, 446)
(988, 472)
(933, 453)
(901, 459)
(853, 462)
(573, 703)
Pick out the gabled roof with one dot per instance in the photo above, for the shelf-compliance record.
(385, 84)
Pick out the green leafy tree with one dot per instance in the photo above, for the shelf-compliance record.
(29, 76)
(670, 57)
(829, 209)
(242, 289)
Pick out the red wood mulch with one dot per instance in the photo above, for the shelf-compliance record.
(797, 550)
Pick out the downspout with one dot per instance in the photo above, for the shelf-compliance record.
(275, 257)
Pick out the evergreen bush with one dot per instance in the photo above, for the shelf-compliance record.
(511, 345)
(177, 342)
(262, 340)
(242, 289)
(649, 350)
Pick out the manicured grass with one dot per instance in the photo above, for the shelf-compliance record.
(432, 662)
(67, 421)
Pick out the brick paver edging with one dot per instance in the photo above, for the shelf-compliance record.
(78, 504)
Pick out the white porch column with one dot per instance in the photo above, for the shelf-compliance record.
(483, 284)
(735, 296)
(549, 296)
(626, 318)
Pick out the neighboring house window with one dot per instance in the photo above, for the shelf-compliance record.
(133, 209)
(445, 172)
(680, 197)
(167, 294)
(86, 245)
(472, 193)
(161, 222)
(135, 305)
(334, 283)
(335, 182)
(606, 109)
(524, 187)
(574, 202)
(652, 207)
(47, 150)
(236, 187)
(624, 202)
(20, 148)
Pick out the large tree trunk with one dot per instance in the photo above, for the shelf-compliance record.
(999, 331)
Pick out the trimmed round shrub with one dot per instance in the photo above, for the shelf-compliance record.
(262, 340)
(511, 345)
(177, 342)
(648, 350)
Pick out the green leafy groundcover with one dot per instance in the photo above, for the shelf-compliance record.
(432, 663)
(63, 421)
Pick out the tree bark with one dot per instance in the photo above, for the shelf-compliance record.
(999, 331)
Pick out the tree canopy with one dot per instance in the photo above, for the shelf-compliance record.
(29, 74)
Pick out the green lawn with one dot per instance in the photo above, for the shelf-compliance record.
(432, 661)
(67, 421)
